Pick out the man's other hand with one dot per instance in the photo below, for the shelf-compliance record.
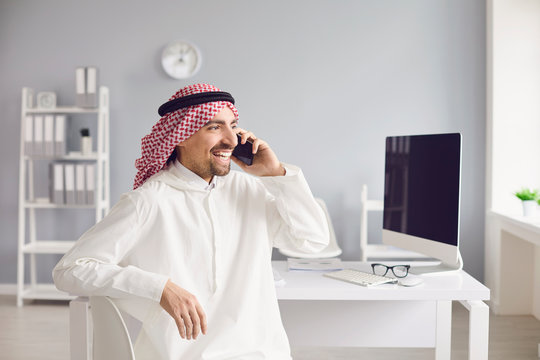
(185, 310)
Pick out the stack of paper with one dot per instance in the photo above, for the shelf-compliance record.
(314, 264)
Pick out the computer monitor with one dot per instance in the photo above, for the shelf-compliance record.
(422, 197)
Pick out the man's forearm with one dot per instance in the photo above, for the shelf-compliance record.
(89, 277)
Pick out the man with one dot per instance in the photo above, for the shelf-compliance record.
(188, 251)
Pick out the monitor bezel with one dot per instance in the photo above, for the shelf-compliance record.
(448, 254)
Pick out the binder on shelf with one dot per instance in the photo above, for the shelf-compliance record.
(29, 135)
(38, 135)
(69, 182)
(86, 84)
(56, 171)
(80, 191)
(91, 87)
(90, 184)
(80, 86)
(60, 135)
(48, 136)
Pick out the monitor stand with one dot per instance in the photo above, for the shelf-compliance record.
(441, 268)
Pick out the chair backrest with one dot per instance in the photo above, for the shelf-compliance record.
(111, 338)
(332, 250)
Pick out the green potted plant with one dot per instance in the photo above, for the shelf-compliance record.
(528, 198)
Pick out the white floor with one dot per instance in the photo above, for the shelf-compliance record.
(39, 330)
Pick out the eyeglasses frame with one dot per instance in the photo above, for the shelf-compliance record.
(390, 268)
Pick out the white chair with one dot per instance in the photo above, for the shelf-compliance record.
(111, 338)
(332, 250)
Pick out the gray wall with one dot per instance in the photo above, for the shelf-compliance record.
(322, 81)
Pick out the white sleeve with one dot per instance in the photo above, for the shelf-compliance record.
(91, 267)
(295, 220)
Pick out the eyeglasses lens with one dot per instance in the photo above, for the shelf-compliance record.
(379, 270)
(400, 271)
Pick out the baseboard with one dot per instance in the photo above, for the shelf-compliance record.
(8, 289)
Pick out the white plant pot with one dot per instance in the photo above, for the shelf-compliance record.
(529, 207)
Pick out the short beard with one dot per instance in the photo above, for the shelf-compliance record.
(219, 172)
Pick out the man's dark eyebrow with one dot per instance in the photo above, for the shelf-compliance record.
(221, 122)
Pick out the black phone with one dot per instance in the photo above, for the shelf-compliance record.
(244, 152)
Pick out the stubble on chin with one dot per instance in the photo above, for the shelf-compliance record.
(219, 171)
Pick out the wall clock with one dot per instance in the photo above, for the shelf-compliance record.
(181, 59)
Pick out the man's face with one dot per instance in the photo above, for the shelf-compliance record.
(208, 151)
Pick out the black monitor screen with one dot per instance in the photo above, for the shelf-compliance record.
(421, 190)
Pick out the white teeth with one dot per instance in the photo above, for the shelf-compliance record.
(223, 155)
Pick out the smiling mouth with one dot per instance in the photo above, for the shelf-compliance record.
(223, 155)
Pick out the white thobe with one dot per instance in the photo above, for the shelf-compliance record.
(213, 240)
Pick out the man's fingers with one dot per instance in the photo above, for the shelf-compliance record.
(202, 317)
(247, 135)
(196, 323)
(181, 327)
(256, 144)
(188, 324)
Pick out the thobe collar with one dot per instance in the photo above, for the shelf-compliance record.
(194, 179)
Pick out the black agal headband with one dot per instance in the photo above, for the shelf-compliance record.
(194, 99)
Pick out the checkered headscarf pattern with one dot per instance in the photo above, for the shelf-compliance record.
(173, 128)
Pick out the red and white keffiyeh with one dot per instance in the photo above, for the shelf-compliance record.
(173, 128)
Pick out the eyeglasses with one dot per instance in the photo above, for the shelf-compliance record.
(399, 271)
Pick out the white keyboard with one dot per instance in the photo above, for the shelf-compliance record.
(359, 277)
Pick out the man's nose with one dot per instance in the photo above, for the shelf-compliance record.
(230, 137)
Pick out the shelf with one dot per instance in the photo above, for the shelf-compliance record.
(48, 205)
(72, 156)
(62, 110)
(45, 292)
(48, 247)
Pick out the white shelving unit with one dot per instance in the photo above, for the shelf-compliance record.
(28, 243)
(371, 252)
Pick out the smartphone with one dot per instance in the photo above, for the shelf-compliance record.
(244, 152)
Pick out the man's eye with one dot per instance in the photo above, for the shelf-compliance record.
(213, 127)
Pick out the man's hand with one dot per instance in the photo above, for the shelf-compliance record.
(185, 310)
(265, 162)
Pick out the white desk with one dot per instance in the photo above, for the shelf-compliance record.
(318, 311)
(512, 263)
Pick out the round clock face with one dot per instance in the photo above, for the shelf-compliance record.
(181, 60)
